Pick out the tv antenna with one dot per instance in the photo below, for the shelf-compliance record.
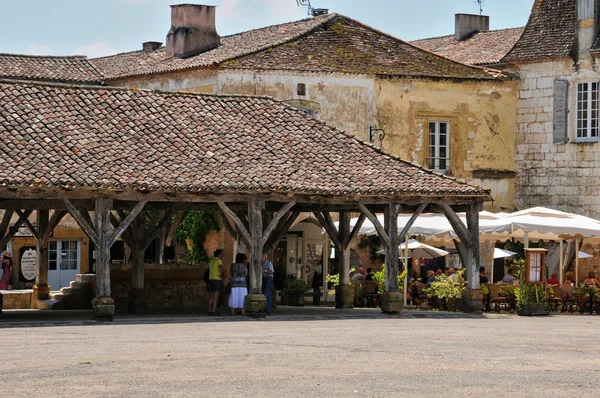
(310, 10)
(480, 3)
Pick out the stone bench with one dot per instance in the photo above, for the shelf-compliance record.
(16, 299)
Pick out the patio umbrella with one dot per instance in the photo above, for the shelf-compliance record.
(501, 253)
(420, 250)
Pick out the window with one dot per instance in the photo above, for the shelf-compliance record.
(587, 111)
(63, 255)
(439, 150)
(309, 112)
(301, 89)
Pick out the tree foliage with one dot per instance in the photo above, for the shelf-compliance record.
(194, 227)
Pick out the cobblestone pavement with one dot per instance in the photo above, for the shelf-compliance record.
(378, 356)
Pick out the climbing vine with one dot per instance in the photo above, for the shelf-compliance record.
(194, 228)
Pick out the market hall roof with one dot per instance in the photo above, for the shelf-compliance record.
(104, 139)
(326, 43)
(66, 69)
(550, 32)
(481, 48)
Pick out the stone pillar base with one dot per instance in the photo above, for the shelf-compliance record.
(138, 303)
(104, 308)
(40, 292)
(1, 303)
(344, 296)
(392, 302)
(255, 305)
(472, 300)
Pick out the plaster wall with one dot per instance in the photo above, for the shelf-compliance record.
(563, 176)
(482, 117)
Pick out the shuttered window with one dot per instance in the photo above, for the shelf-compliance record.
(561, 107)
(439, 146)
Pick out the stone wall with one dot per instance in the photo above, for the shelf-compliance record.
(166, 286)
(561, 176)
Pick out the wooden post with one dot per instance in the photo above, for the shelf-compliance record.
(41, 290)
(473, 248)
(103, 228)
(344, 264)
(255, 208)
(391, 251)
(560, 250)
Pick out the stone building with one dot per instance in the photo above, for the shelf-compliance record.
(444, 115)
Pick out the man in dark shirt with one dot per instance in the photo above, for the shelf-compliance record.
(369, 276)
(482, 277)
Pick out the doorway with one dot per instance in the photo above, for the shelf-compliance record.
(64, 262)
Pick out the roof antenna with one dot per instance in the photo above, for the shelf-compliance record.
(310, 10)
(480, 4)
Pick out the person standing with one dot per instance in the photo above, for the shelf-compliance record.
(267, 281)
(5, 263)
(215, 280)
(239, 288)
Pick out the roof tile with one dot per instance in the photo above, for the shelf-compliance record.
(66, 69)
(94, 137)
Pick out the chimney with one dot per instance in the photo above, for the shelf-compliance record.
(587, 28)
(150, 46)
(467, 24)
(192, 30)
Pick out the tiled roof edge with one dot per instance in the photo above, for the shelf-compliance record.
(479, 31)
(43, 56)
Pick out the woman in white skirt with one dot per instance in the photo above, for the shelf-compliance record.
(239, 289)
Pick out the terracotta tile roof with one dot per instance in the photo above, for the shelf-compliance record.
(67, 69)
(143, 63)
(329, 43)
(550, 32)
(482, 48)
(92, 137)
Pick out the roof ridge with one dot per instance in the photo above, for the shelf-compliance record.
(476, 32)
(43, 56)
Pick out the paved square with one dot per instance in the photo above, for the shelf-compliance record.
(512, 356)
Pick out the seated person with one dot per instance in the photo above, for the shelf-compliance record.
(359, 276)
(591, 280)
(452, 274)
(509, 278)
(553, 279)
(370, 274)
(569, 278)
(482, 277)
(430, 278)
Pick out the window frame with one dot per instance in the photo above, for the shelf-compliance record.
(585, 114)
(436, 158)
(55, 249)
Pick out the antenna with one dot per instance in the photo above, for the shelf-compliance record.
(310, 10)
(480, 3)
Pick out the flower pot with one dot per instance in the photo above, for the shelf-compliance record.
(296, 300)
(532, 309)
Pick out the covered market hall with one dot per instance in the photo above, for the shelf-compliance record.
(124, 162)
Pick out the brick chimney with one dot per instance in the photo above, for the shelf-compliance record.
(467, 24)
(192, 30)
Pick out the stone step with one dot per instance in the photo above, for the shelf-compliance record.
(56, 296)
(66, 290)
(46, 304)
(78, 284)
(85, 277)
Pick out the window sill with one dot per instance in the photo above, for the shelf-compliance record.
(585, 140)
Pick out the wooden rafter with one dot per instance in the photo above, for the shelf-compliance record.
(127, 221)
(15, 228)
(28, 223)
(330, 229)
(284, 224)
(458, 226)
(84, 222)
(241, 228)
(411, 221)
(271, 227)
(355, 230)
(375, 221)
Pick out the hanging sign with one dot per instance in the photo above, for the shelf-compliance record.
(29, 264)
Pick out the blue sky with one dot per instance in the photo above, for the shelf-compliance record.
(103, 27)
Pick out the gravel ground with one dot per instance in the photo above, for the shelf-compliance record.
(509, 356)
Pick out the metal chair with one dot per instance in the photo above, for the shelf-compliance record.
(371, 293)
(498, 301)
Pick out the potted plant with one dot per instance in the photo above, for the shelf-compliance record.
(448, 289)
(531, 297)
(293, 292)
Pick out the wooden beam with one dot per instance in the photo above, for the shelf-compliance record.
(86, 225)
(163, 222)
(126, 222)
(459, 227)
(410, 222)
(15, 228)
(8, 213)
(57, 215)
(280, 213)
(378, 227)
(102, 212)
(181, 214)
(245, 235)
(391, 251)
(32, 228)
(355, 230)
(231, 230)
(330, 229)
(281, 229)
(255, 208)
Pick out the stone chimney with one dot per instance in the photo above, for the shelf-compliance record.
(587, 27)
(467, 24)
(150, 46)
(192, 30)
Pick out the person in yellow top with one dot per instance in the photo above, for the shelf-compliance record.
(215, 283)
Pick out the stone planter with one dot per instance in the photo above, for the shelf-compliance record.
(532, 309)
(392, 302)
(454, 303)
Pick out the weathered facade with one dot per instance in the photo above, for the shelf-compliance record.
(557, 137)
(359, 80)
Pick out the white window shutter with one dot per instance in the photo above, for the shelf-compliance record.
(561, 91)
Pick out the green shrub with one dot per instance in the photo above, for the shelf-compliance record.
(445, 288)
(295, 287)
